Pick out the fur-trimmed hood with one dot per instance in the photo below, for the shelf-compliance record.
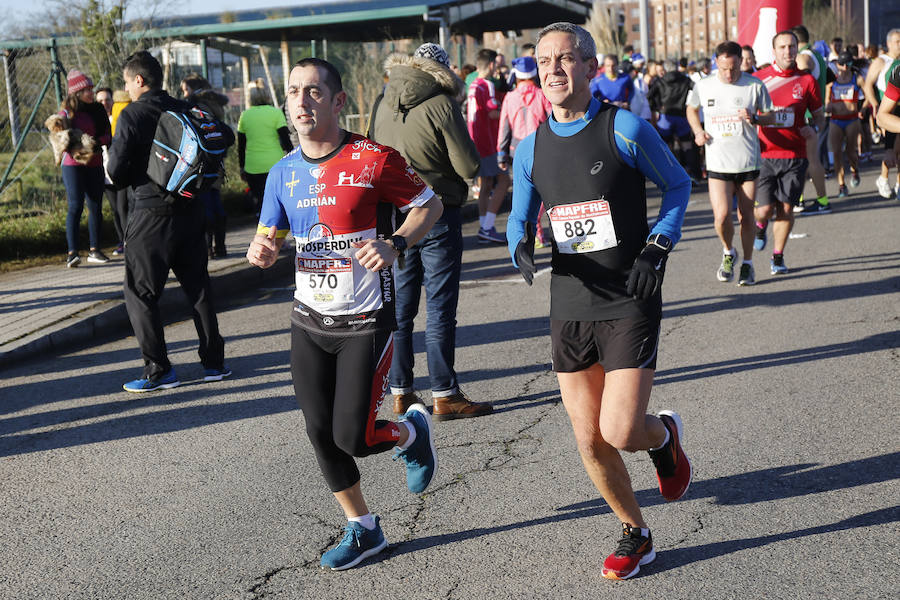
(413, 79)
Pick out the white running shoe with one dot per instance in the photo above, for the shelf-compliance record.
(884, 188)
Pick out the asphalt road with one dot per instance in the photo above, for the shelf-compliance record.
(788, 392)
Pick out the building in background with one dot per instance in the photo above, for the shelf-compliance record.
(693, 28)
(884, 15)
(690, 28)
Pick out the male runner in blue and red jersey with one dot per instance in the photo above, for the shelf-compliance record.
(336, 193)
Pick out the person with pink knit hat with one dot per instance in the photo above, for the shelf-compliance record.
(84, 180)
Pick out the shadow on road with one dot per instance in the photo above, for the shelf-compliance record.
(872, 343)
(781, 298)
(678, 557)
(178, 418)
(743, 488)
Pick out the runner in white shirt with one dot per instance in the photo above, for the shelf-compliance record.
(733, 102)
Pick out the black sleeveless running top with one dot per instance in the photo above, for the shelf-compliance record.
(598, 209)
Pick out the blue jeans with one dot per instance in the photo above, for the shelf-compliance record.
(83, 182)
(436, 262)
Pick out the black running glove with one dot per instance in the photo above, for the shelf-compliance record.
(525, 254)
(647, 273)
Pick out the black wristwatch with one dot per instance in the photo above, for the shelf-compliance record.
(660, 241)
(398, 242)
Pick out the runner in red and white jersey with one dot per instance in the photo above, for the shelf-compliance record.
(483, 118)
(793, 92)
(783, 146)
(336, 193)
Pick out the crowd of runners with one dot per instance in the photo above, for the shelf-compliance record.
(376, 217)
(754, 134)
(579, 143)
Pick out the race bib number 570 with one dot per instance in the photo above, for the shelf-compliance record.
(323, 281)
(582, 227)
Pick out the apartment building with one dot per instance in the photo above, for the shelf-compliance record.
(690, 28)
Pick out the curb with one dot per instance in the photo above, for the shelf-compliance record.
(110, 316)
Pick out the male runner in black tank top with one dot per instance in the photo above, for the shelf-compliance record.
(588, 165)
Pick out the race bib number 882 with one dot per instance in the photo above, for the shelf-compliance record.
(582, 227)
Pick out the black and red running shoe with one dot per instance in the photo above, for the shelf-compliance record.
(634, 549)
(673, 469)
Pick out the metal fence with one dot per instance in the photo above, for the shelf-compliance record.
(30, 92)
(35, 83)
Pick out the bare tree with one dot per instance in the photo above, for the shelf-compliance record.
(824, 24)
(601, 24)
(109, 30)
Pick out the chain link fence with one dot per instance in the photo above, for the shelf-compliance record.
(29, 92)
(34, 84)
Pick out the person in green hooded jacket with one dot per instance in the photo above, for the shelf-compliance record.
(419, 114)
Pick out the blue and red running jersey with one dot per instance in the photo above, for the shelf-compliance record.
(329, 204)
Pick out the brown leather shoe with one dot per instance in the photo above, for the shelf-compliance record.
(458, 406)
(402, 402)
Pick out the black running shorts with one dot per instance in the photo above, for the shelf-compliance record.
(737, 178)
(629, 343)
(781, 180)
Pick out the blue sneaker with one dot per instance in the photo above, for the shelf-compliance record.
(358, 543)
(216, 374)
(486, 236)
(778, 266)
(420, 457)
(760, 242)
(163, 382)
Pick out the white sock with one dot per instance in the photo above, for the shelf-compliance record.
(731, 252)
(489, 219)
(665, 441)
(412, 435)
(367, 520)
(747, 262)
(481, 221)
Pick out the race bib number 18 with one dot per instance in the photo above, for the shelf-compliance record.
(582, 227)
(323, 281)
(784, 117)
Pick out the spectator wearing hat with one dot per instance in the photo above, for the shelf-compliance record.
(419, 116)
(84, 180)
(523, 109)
(640, 86)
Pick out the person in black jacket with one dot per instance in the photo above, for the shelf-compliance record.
(163, 232)
(198, 92)
(668, 97)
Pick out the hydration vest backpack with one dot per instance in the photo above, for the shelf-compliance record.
(188, 151)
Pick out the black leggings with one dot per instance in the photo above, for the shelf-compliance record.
(257, 184)
(340, 383)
